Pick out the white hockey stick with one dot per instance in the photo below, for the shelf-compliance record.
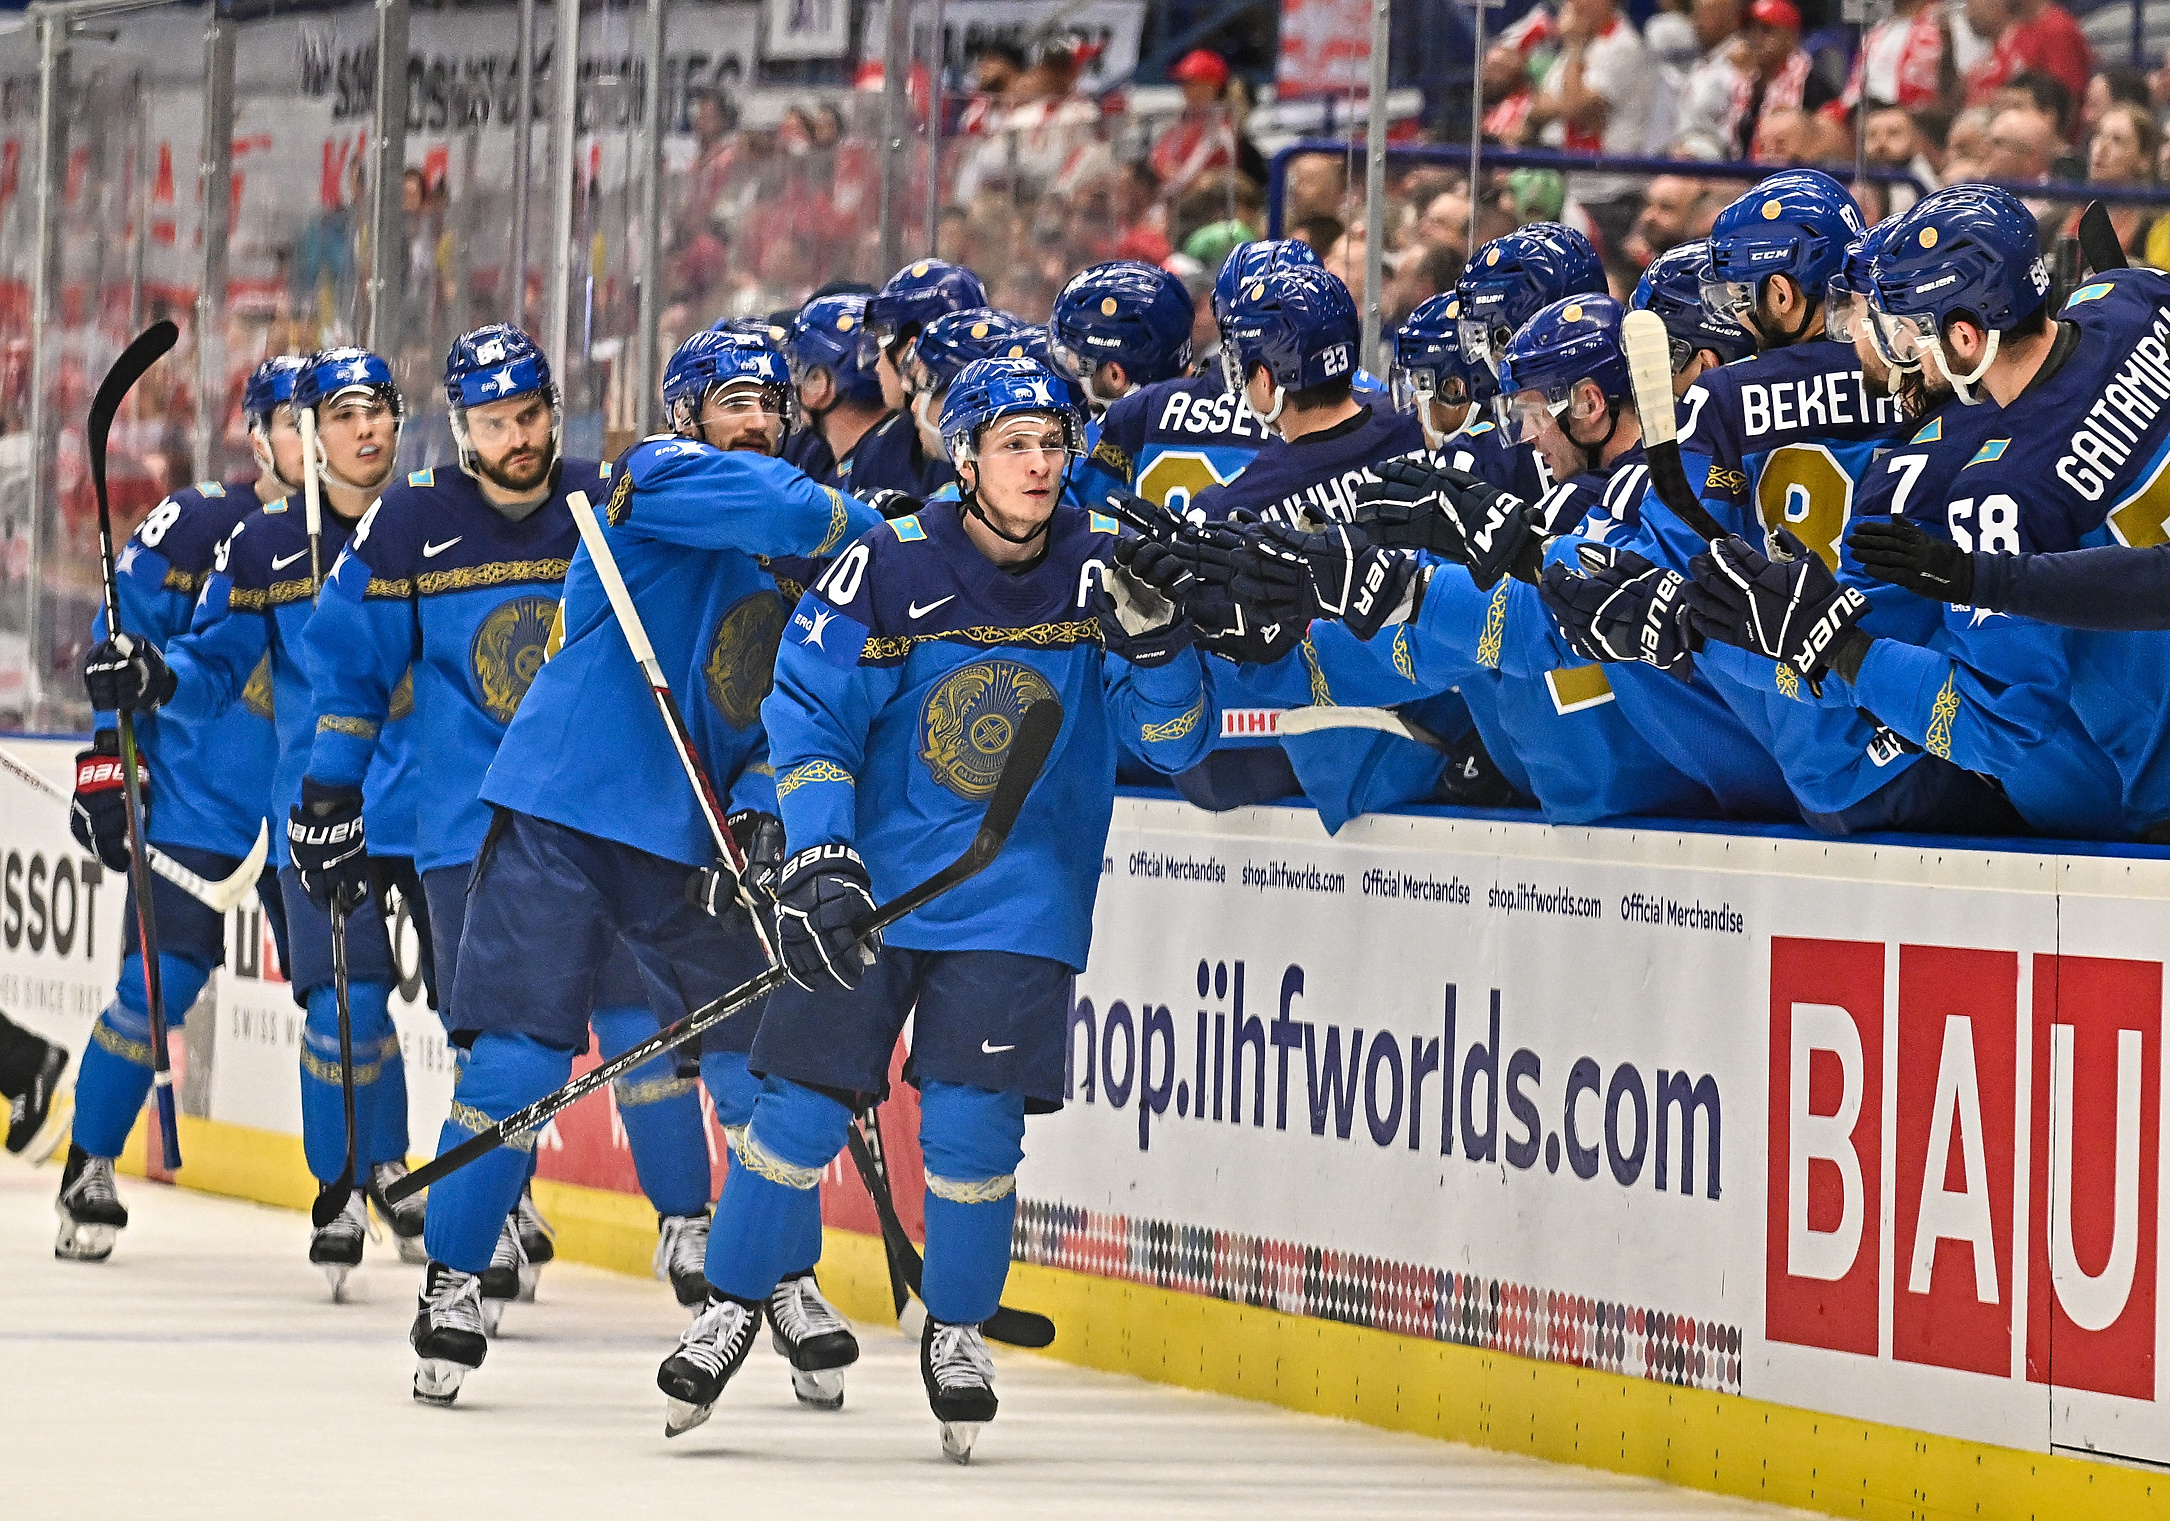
(219, 896)
(636, 638)
(1650, 372)
(1318, 720)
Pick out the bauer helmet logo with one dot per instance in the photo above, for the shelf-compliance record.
(1928, 237)
(1771, 210)
(1107, 306)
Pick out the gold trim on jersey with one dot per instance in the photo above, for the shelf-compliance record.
(136, 1051)
(1405, 664)
(394, 588)
(1322, 695)
(1946, 708)
(472, 577)
(340, 723)
(1174, 728)
(468, 1117)
(278, 594)
(655, 1090)
(811, 771)
(324, 1071)
(189, 581)
(1495, 627)
(1044, 636)
(1788, 684)
(1112, 455)
(620, 506)
(839, 523)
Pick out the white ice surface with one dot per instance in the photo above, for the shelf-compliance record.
(202, 1371)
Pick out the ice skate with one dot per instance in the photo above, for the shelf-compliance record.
(337, 1247)
(535, 1242)
(501, 1279)
(806, 1329)
(709, 1352)
(960, 1380)
(682, 1256)
(91, 1215)
(39, 1120)
(404, 1218)
(447, 1333)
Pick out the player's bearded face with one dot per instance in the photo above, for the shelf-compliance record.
(743, 416)
(511, 441)
(1021, 464)
(357, 433)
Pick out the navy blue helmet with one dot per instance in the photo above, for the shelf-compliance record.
(919, 293)
(952, 341)
(1510, 278)
(490, 364)
(329, 374)
(1799, 223)
(269, 385)
(1137, 315)
(708, 361)
(1965, 251)
(1672, 287)
(830, 333)
(1247, 261)
(1428, 358)
(987, 390)
(1297, 322)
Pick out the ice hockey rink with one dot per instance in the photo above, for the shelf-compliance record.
(203, 1372)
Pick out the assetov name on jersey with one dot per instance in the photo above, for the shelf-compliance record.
(1223, 414)
(1833, 399)
(2120, 417)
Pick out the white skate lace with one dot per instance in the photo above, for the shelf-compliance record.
(816, 1316)
(509, 1252)
(381, 1178)
(682, 1246)
(94, 1184)
(351, 1221)
(719, 1336)
(958, 1358)
(531, 1220)
(455, 1304)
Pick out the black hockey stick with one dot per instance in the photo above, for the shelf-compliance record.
(332, 1198)
(1015, 1328)
(1650, 371)
(137, 358)
(2098, 239)
(1036, 733)
(869, 1124)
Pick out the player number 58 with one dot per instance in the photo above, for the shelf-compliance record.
(1995, 528)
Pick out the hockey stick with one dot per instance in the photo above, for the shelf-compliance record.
(1650, 371)
(1318, 720)
(2098, 239)
(332, 1198)
(874, 1172)
(135, 360)
(1015, 1328)
(312, 498)
(220, 896)
(1036, 733)
(636, 638)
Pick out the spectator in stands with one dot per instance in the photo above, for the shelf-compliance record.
(1511, 65)
(1321, 232)
(2045, 94)
(1316, 185)
(2113, 82)
(1423, 273)
(1786, 136)
(1671, 37)
(1445, 223)
(2022, 146)
(1709, 95)
(1203, 135)
(1780, 74)
(996, 68)
(2122, 151)
(1596, 98)
(2028, 34)
(1891, 140)
(1903, 58)
(1966, 145)
(1677, 210)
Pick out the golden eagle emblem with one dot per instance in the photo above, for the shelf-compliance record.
(968, 722)
(256, 695)
(508, 651)
(742, 657)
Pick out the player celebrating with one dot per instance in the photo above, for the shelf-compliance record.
(212, 781)
(833, 370)
(257, 600)
(1119, 326)
(895, 455)
(902, 677)
(687, 515)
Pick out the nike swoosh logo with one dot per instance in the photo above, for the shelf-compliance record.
(432, 551)
(290, 559)
(995, 1050)
(920, 612)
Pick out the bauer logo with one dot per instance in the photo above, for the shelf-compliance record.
(1949, 1201)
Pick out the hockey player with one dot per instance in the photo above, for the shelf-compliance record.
(833, 370)
(31, 1068)
(1961, 295)
(903, 674)
(1119, 326)
(206, 797)
(895, 456)
(1776, 445)
(1699, 338)
(256, 602)
(939, 353)
(457, 577)
(1449, 394)
(686, 517)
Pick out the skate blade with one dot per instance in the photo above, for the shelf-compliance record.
(412, 1251)
(912, 1319)
(437, 1382)
(46, 1139)
(336, 1274)
(85, 1243)
(493, 1311)
(957, 1440)
(680, 1417)
(529, 1278)
(819, 1388)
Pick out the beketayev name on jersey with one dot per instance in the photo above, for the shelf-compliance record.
(1829, 399)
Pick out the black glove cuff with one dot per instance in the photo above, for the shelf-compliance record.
(321, 799)
(1847, 653)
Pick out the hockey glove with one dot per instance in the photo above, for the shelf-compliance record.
(1790, 609)
(1138, 621)
(98, 814)
(1897, 551)
(714, 890)
(1286, 575)
(891, 503)
(1195, 572)
(822, 898)
(324, 837)
(1620, 607)
(126, 674)
(1455, 515)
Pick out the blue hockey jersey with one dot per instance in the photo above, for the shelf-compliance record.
(1171, 441)
(437, 580)
(587, 748)
(255, 608)
(1317, 475)
(211, 780)
(2082, 465)
(901, 678)
(892, 458)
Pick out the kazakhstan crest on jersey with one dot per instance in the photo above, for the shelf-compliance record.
(742, 657)
(968, 722)
(507, 652)
(256, 695)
